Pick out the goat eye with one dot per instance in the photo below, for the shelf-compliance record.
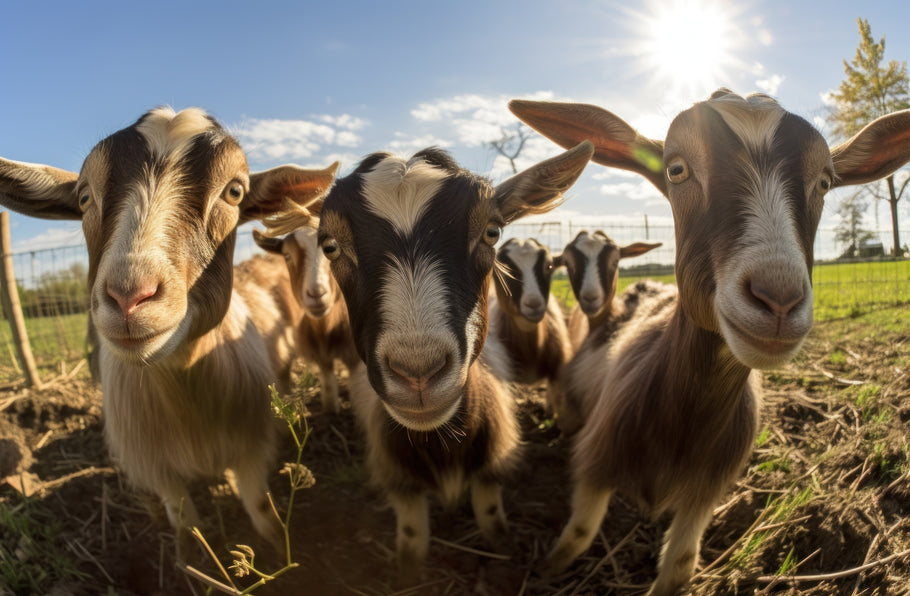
(85, 199)
(330, 249)
(492, 234)
(824, 183)
(233, 193)
(677, 170)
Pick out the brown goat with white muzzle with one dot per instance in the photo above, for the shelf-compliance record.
(182, 347)
(527, 320)
(677, 411)
(322, 332)
(411, 242)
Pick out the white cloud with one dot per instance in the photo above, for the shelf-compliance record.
(827, 98)
(472, 119)
(406, 143)
(274, 140)
(636, 191)
(51, 238)
(771, 84)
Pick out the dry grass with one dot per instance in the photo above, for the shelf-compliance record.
(823, 508)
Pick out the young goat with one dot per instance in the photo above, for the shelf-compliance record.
(592, 264)
(677, 410)
(527, 320)
(182, 353)
(411, 244)
(323, 332)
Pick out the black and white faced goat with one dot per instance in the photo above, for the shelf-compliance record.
(527, 320)
(677, 411)
(592, 264)
(323, 332)
(182, 346)
(411, 242)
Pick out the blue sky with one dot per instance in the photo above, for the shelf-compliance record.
(310, 83)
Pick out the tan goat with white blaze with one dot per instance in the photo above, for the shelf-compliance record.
(323, 331)
(183, 348)
(676, 413)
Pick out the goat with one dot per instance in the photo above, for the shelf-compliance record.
(592, 264)
(411, 244)
(181, 345)
(323, 331)
(676, 413)
(527, 320)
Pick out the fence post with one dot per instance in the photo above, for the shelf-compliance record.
(12, 308)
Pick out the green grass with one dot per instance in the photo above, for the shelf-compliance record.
(32, 556)
(841, 290)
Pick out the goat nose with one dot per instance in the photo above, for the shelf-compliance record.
(777, 299)
(317, 292)
(129, 299)
(417, 374)
(533, 302)
(590, 296)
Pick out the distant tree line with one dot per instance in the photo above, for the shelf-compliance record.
(57, 293)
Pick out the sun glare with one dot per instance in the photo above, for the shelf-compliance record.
(687, 44)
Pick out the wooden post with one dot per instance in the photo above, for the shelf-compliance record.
(12, 308)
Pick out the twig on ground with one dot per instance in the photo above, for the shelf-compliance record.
(81, 551)
(604, 559)
(837, 379)
(473, 551)
(835, 575)
(207, 580)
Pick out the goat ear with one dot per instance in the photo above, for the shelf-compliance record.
(637, 248)
(616, 144)
(267, 243)
(540, 188)
(875, 152)
(285, 191)
(38, 190)
(557, 261)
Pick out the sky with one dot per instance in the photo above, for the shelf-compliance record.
(314, 82)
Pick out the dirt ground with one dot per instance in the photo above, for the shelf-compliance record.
(822, 508)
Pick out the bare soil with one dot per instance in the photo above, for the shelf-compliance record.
(822, 508)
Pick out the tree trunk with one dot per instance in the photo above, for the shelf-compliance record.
(893, 198)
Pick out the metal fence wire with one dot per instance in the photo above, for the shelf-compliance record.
(54, 296)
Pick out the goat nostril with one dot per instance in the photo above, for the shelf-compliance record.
(417, 374)
(317, 292)
(129, 300)
(779, 301)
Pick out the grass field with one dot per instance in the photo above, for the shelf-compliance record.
(841, 290)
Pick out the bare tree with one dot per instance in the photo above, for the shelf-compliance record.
(512, 141)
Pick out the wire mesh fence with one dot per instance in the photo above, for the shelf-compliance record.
(54, 295)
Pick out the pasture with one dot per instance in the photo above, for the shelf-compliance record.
(825, 498)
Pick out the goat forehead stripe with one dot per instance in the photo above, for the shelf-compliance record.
(754, 121)
(169, 135)
(399, 191)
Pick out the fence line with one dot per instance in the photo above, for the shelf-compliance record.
(54, 296)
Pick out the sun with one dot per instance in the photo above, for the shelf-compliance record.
(688, 46)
